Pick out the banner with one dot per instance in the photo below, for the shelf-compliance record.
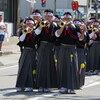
(31, 1)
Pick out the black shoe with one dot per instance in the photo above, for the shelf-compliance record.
(28, 89)
(95, 72)
(46, 91)
(63, 91)
(20, 89)
(40, 90)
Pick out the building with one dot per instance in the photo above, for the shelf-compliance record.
(91, 10)
(9, 9)
(61, 6)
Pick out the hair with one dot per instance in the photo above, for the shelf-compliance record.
(0, 15)
(80, 20)
(57, 17)
(68, 13)
(36, 11)
(48, 10)
(96, 21)
(92, 18)
(77, 20)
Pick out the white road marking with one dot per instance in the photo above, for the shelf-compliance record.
(92, 84)
(43, 96)
(36, 98)
(8, 67)
(4, 93)
(54, 94)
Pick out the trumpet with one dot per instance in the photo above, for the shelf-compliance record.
(44, 23)
(27, 30)
(95, 30)
(63, 23)
(90, 27)
(35, 24)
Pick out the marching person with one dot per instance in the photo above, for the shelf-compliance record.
(91, 49)
(81, 46)
(46, 71)
(67, 61)
(94, 54)
(2, 34)
(37, 17)
(26, 71)
(97, 56)
(57, 20)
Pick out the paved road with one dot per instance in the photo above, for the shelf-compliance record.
(8, 74)
(91, 90)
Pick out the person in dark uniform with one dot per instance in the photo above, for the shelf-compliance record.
(81, 45)
(57, 20)
(37, 17)
(46, 71)
(67, 61)
(91, 50)
(27, 63)
(96, 48)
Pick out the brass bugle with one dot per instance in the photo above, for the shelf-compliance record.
(35, 23)
(63, 23)
(27, 30)
(90, 27)
(44, 23)
(95, 30)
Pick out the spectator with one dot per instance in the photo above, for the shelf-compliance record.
(2, 35)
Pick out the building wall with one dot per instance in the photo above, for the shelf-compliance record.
(82, 2)
(61, 5)
(24, 8)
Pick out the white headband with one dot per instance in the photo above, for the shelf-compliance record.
(29, 21)
(95, 23)
(77, 22)
(67, 16)
(49, 13)
(56, 19)
(36, 14)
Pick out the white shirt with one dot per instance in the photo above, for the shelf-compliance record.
(79, 34)
(2, 31)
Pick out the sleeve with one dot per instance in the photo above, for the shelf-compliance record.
(90, 42)
(91, 35)
(22, 37)
(56, 34)
(56, 27)
(37, 31)
(79, 34)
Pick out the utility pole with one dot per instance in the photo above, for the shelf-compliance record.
(96, 8)
(54, 6)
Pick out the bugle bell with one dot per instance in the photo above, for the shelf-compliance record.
(44, 23)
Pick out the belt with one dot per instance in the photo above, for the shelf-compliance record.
(44, 41)
(67, 44)
(28, 48)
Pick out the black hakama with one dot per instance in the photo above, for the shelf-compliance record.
(46, 71)
(27, 64)
(81, 65)
(68, 67)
